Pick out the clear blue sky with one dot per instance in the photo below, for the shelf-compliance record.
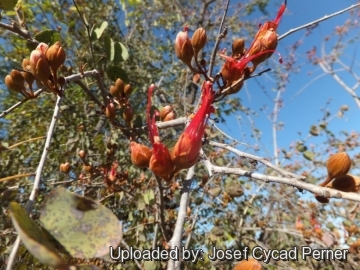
(301, 111)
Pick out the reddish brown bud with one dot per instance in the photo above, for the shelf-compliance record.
(167, 113)
(88, 168)
(198, 40)
(183, 47)
(114, 92)
(119, 84)
(140, 155)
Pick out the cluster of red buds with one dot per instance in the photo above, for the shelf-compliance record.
(43, 66)
(162, 161)
(121, 93)
(263, 46)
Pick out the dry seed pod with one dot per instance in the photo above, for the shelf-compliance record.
(65, 167)
(127, 90)
(321, 199)
(345, 183)
(167, 113)
(128, 114)
(110, 111)
(250, 264)
(115, 92)
(82, 154)
(183, 47)
(238, 48)
(198, 40)
(119, 84)
(338, 164)
(140, 155)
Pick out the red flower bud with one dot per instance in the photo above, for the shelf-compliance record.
(160, 161)
(186, 151)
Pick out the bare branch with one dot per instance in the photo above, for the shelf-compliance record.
(323, 191)
(326, 17)
(260, 159)
(20, 32)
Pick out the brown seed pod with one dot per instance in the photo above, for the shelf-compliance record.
(198, 40)
(119, 84)
(127, 90)
(140, 155)
(338, 164)
(167, 113)
(238, 48)
(345, 183)
(65, 167)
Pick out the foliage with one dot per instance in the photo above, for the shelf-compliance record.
(89, 152)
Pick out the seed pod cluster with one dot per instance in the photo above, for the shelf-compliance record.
(42, 66)
(121, 93)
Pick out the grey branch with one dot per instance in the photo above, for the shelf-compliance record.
(326, 17)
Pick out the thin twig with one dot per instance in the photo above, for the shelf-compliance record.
(88, 91)
(87, 26)
(317, 21)
(260, 159)
(222, 34)
(16, 176)
(31, 201)
(36, 94)
(20, 32)
(28, 140)
(128, 248)
(161, 209)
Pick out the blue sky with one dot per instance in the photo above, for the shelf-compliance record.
(302, 110)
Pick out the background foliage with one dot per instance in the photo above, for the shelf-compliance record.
(225, 211)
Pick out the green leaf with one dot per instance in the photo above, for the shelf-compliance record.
(99, 30)
(8, 4)
(121, 53)
(115, 72)
(47, 36)
(309, 155)
(300, 147)
(109, 48)
(149, 197)
(32, 237)
(314, 130)
(83, 227)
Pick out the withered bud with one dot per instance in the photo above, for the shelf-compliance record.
(140, 155)
(183, 47)
(238, 48)
(65, 167)
(127, 90)
(345, 183)
(198, 40)
(167, 113)
(338, 164)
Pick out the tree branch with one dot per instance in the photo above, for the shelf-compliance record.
(326, 17)
(322, 191)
